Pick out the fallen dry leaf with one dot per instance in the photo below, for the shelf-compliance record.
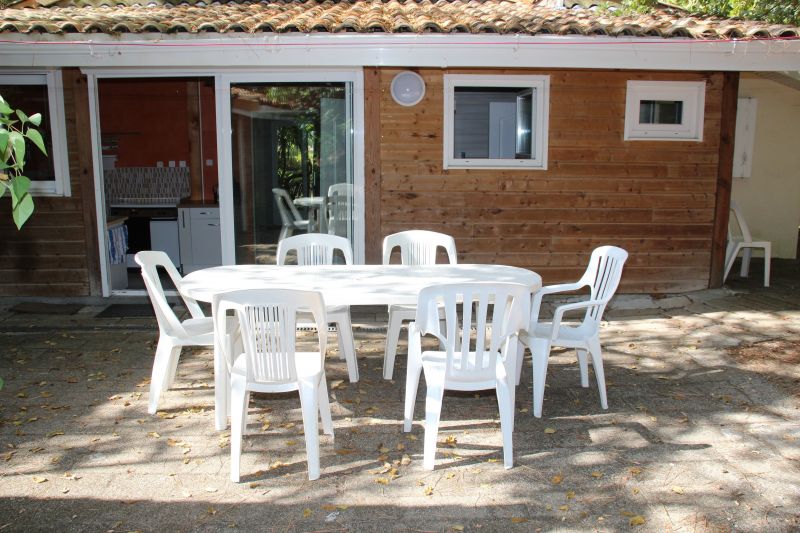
(570, 494)
(563, 507)
(39, 479)
(557, 479)
(307, 512)
(549, 431)
(637, 520)
(596, 474)
(518, 520)
(677, 489)
(635, 470)
(428, 491)
(345, 451)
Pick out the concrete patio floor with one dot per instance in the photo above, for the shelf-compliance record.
(702, 432)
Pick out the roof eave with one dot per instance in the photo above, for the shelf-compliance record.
(215, 51)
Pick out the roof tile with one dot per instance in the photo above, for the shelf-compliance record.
(527, 17)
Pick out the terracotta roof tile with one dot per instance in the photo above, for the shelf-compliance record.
(527, 17)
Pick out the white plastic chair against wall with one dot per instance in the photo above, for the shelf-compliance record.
(173, 334)
(269, 362)
(602, 276)
(290, 217)
(743, 242)
(497, 312)
(319, 249)
(417, 247)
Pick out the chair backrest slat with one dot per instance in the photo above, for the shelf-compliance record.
(493, 311)
(267, 319)
(315, 249)
(603, 276)
(419, 247)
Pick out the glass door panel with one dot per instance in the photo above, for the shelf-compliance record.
(292, 163)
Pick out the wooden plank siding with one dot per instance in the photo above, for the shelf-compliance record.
(655, 199)
(49, 256)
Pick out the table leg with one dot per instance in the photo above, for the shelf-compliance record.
(221, 387)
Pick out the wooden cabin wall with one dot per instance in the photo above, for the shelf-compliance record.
(654, 198)
(55, 252)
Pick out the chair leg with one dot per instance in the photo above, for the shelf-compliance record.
(392, 338)
(520, 360)
(433, 412)
(730, 261)
(324, 406)
(160, 375)
(413, 372)
(747, 254)
(540, 353)
(505, 402)
(308, 404)
(583, 364)
(767, 261)
(173, 368)
(238, 402)
(597, 363)
(347, 346)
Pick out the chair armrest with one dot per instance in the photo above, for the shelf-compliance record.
(415, 335)
(561, 309)
(536, 302)
(191, 304)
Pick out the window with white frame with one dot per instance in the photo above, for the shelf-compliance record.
(42, 92)
(495, 121)
(665, 110)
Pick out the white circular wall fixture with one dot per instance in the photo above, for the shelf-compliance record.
(408, 88)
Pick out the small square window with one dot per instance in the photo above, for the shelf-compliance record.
(657, 110)
(42, 92)
(495, 121)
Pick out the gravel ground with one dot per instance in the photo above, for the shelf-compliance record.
(702, 433)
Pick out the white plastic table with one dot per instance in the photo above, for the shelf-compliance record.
(314, 204)
(339, 285)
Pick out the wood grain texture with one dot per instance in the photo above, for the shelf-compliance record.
(727, 134)
(372, 165)
(656, 199)
(55, 252)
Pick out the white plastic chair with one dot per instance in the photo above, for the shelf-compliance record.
(268, 361)
(417, 247)
(290, 217)
(319, 249)
(497, 312)
(173, 334)
(743, 242)
(338, 208)
(602, 276)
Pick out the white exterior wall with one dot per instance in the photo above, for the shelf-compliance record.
(770, 199)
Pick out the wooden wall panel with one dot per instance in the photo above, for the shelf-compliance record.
(656, 199)
(52, 254)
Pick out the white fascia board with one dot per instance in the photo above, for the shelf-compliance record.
(215, 52)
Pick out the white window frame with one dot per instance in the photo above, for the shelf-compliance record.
(539, 122)
(60, 186)
(691, 93)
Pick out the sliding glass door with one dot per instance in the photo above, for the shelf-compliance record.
(291, 154)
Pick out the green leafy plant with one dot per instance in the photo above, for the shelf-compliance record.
(16, 128)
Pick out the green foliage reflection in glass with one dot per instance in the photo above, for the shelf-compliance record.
(298, 143)
(16, 129)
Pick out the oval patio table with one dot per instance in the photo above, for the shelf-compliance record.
(339, 285)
